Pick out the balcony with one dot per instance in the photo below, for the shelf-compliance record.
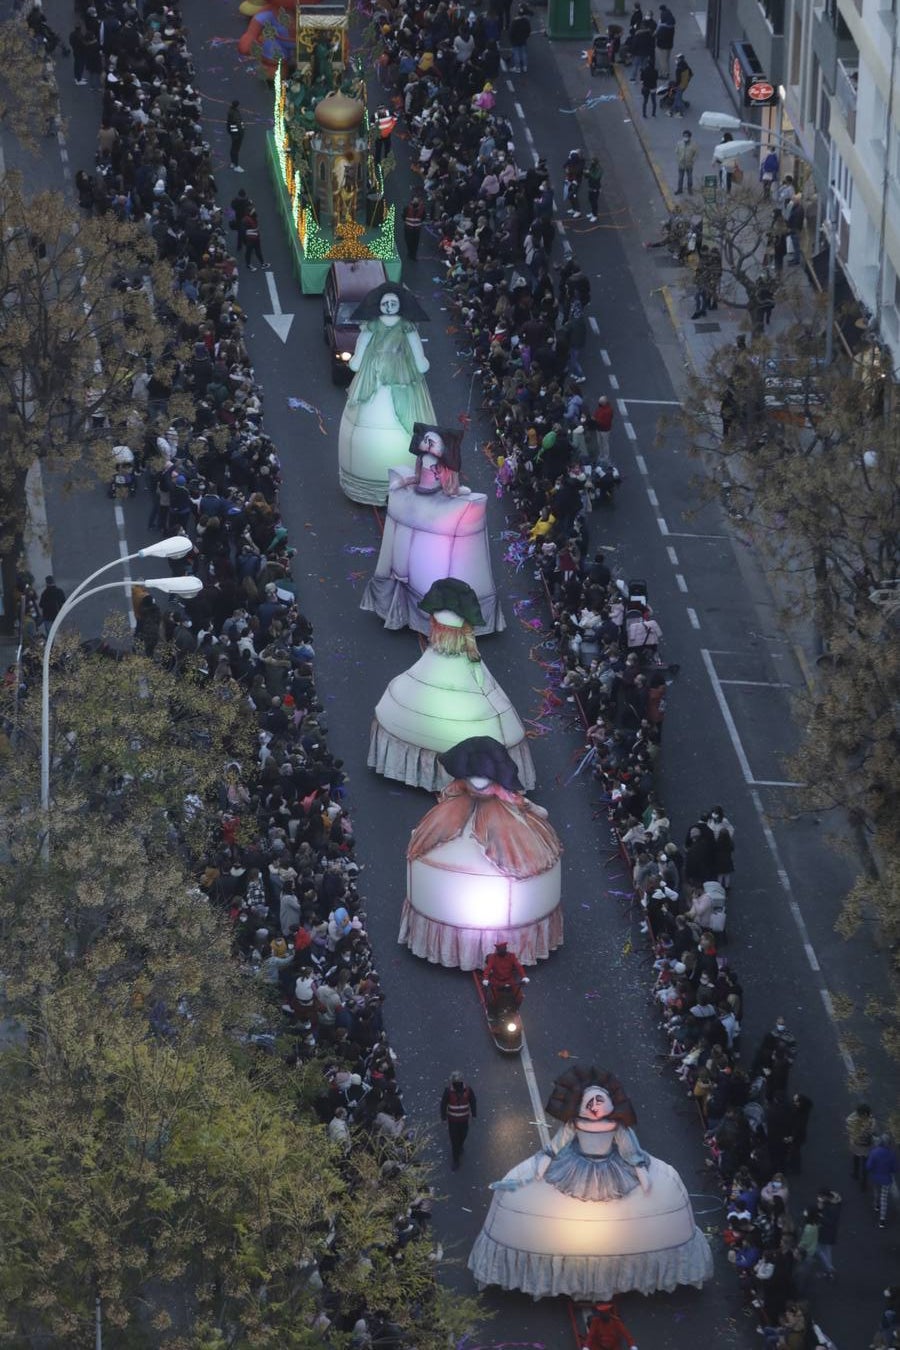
(845, 86)
(831, 40)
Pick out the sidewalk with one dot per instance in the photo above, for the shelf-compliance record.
(658, 138)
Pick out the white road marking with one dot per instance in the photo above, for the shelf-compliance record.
(772, 844)
(762, 684)
(727, 717)
(776, 782)
(681, 583)
(641, 463)
(620, 404)
(679, 534)
(537, 1105)
(595, 327)
(673, 556)
(613, 382)
(656, 402)
(520, 112)
(604, 357)
(663, 527)
(629, 431)
(692, 615)
(652, 497)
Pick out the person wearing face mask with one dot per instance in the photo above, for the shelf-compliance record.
(685, 157)
(458, 1109)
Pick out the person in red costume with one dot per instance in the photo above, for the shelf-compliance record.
(503, 968)
(607, 1331)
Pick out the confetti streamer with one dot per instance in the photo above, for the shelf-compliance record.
(359, 548)
(302, 405)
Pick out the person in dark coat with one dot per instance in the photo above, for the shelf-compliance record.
(51, 601)
(699, 854)
(458, 1108)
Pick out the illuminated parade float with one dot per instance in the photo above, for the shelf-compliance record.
(448, 696)
(329, 186)
(483, 866)
(434, 527)
(592, 1214)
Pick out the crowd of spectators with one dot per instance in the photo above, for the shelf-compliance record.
(290, 894)
(524, 317)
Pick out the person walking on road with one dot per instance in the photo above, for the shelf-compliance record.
(862, 1128)
(51, 601)
(234, 125)
(252, 242)
(458, 1107)
(76, 43)
(240, 206)
(881, 1168)
(681, 79)
(685, 158)
(828, 1203)
(594, 177)
(519, 33)
(413, 218)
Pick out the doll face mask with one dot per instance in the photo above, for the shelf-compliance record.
(389, 305)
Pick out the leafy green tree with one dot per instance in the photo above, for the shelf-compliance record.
(81, 312)
(151, 1156)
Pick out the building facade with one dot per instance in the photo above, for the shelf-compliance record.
(836, 67)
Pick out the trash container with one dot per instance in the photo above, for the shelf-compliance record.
(569, 19)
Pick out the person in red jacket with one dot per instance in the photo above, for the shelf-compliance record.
(603, 420)
(607, 1331)
(503, 969)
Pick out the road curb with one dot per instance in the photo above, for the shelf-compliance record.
(664, 190)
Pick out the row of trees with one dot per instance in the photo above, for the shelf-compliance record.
(808, 459)
(150, 1156)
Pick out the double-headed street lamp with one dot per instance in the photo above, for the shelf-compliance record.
(176, 547)
(729, 151)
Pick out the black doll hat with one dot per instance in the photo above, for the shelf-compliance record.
(451, 437)
(482, 757)
(456, 596)
(368, 308)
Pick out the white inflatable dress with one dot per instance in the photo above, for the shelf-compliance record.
(483, 866)
(448, 696)
(592, 1215)
(387, 396)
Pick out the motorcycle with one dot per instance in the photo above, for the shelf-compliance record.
(501, 1010)
(123, 482)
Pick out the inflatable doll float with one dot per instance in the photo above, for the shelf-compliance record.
(592, 1214)
(448, 696)
(433, 529)
(387, 395)
(483, 866)
(271, 33)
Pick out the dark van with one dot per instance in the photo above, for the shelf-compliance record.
(348, 283)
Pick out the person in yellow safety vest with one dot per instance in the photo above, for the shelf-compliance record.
(385, 121)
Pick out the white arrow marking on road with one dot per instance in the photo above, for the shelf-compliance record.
(278, 322)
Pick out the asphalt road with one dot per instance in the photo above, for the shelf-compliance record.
(728, 726)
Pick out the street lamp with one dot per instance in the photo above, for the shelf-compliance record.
(728, 151)
(176, 547)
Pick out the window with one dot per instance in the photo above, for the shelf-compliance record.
(774, 12)
(841, 182)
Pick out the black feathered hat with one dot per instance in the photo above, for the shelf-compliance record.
(454, 595)
(448, 451)
(568, 1089)
(368, 308)
(482, 757)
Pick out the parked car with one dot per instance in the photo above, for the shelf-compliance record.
(348, 283)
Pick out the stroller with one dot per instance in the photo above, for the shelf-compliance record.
(666, 97)
(604, 50)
